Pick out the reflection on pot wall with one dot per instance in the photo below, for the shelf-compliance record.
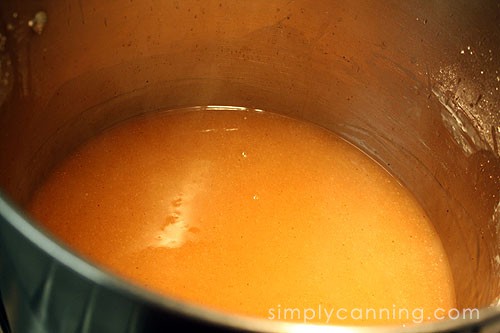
(414, 84)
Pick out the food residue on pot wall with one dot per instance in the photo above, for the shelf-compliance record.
(464, 114)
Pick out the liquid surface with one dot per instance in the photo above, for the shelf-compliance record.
(247, 212)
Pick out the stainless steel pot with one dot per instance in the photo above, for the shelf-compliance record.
(415, 84)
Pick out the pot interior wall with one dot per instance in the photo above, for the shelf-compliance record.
(388, 76)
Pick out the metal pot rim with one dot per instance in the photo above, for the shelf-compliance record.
(64, 256)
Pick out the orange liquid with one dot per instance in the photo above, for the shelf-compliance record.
(247, 212)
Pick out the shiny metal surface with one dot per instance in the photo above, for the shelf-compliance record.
(415, 84)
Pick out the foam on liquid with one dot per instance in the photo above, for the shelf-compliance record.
(246, 212)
